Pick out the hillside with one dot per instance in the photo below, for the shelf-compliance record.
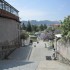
(47, 22)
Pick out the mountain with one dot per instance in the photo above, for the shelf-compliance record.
(35, 22)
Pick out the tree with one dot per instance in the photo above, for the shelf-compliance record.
(65, 26)
(50, 29)
(45, 26)
(35, 28)
(29, 27)
(24, 35)
(41, 27)
(50, 33)
(23, 26)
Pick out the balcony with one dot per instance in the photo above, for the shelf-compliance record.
(8, 11)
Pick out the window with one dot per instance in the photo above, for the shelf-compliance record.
(13, 11)
(3, 6)
(7, 8)
(0, 5)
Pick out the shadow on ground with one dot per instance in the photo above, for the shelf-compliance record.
(22, 53)
(6, 65)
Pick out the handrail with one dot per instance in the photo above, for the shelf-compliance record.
(9, 15)
(7, 7)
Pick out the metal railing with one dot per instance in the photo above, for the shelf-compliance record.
(7, 7)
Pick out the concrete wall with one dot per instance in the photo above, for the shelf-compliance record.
(8, 29)
(9, 36)
(63, 49)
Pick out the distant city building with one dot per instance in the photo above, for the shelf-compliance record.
(9, 28)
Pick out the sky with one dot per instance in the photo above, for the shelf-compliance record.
(53, 10)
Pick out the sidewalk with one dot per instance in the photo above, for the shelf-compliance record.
(52, 65)
(22, 53)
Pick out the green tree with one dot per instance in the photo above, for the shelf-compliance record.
(50, 29)
(65, 26)
(24, 35)
(41, 27)
(29, 27)
(35, 28)
(45, 26)
(23, 26)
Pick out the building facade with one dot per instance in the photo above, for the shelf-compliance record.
(9, 29)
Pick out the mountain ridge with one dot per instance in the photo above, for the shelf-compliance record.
(35, 22)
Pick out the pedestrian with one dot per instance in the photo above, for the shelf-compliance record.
(34, 45)
(53, 56)
(53, 46)
(45, 45)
